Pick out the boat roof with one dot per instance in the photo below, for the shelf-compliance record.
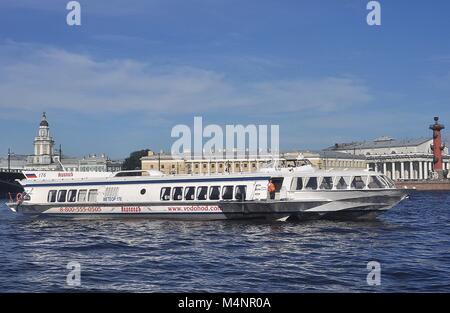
(86, 178)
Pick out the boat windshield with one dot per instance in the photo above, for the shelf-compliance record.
(341, 182)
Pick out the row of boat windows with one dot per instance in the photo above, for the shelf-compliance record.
(203, 193)
(341, 182)
(72, 195)
(167, 193)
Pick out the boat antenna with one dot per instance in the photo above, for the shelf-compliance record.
(59, 159)
(62, 166)
(9, 159)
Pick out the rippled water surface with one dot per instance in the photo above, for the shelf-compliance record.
(411, 242)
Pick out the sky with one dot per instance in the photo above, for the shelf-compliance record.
(134, 69)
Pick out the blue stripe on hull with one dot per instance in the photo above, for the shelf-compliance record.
(156, 181)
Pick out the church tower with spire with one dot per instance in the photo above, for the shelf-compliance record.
(43, 145)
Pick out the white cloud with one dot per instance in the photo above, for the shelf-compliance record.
(40, 77)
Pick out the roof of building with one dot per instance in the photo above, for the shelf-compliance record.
(324, 154)
(383, 142)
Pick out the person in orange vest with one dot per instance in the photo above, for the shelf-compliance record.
(271, 189)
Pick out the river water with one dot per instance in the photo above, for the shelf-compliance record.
(411, 243)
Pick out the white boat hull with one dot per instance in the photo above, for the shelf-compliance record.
(347, 204)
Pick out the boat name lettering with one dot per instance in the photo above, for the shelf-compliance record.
(112, 199)
(65, 174)
(131, 209)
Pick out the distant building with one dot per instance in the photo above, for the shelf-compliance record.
(337, 160)
(217, 163)
(91, 163)
(163, 162)
(209, 164)
(398, 159)
(16, 163)
(45, 158)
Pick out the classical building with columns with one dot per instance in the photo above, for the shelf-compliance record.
(398, 159)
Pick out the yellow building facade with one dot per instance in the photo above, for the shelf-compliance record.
(216, 165)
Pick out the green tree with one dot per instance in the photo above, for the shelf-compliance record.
(133, 162)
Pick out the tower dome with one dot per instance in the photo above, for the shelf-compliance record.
(44, 120)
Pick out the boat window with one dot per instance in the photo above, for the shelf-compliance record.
(51, 196)
(388, 181)
(82, 195)
(375, 182)
(240, 192)
(227, 192)
(358, 183)
(62, 195)
(299, 185)
(202, 192)
(278, 182)
(342, 183)
(327, 183)
(165, 193)
(189, 193)
(92, 195)
(214, 193)
(177, 193)
(311, 184)
(72, 196)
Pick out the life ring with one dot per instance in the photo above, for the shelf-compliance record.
(19, 197)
